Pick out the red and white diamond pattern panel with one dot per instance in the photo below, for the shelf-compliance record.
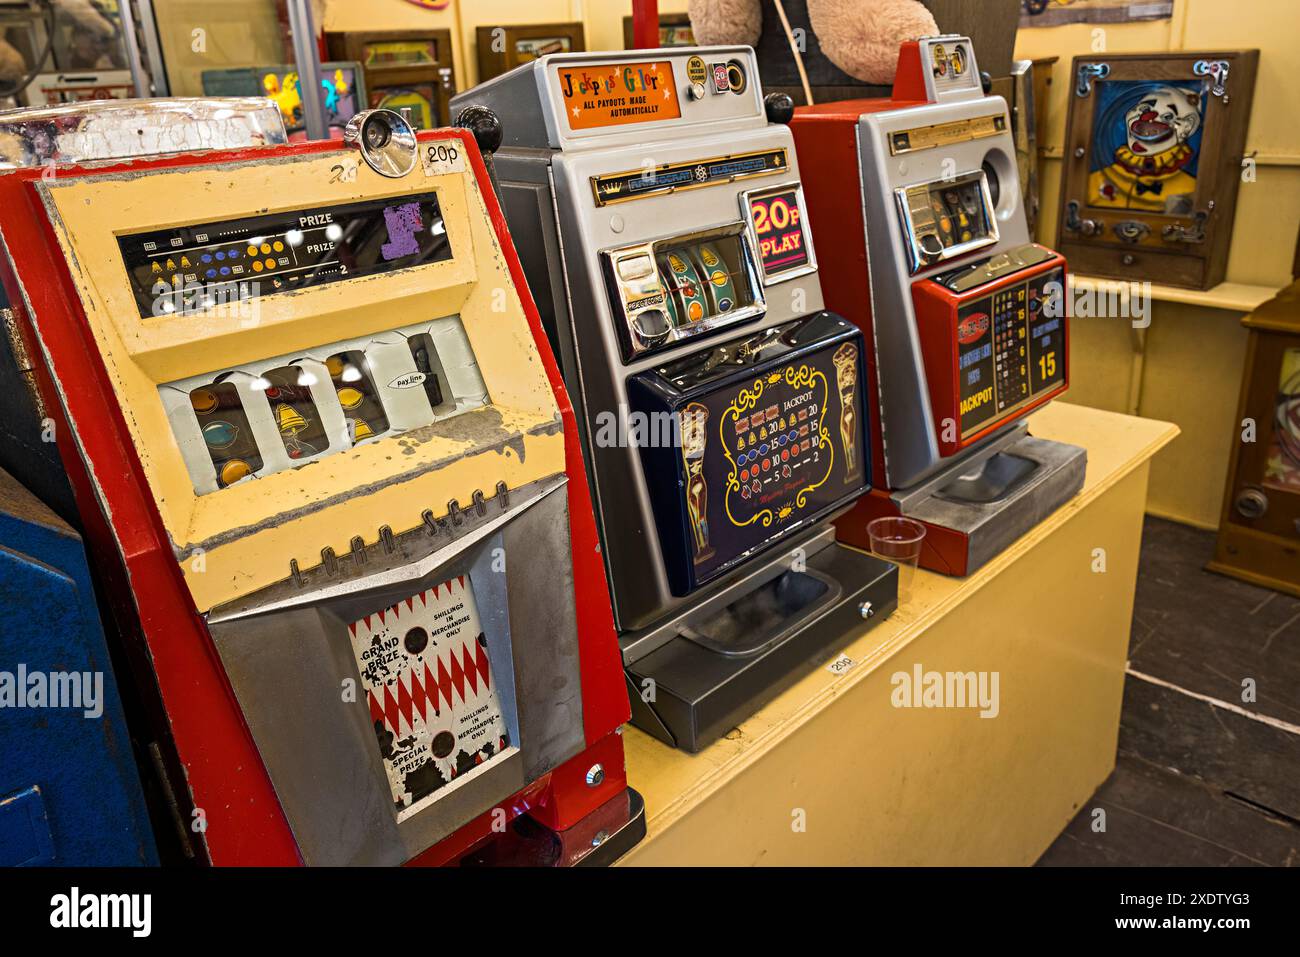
(433, 704)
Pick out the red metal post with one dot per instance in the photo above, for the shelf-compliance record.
(645, 24)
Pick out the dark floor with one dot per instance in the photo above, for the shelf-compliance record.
(1198, 782)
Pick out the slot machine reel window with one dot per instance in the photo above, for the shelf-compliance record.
(676, 288)
(284, 412)
(947, 218)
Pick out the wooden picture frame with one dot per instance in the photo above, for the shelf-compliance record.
(524, 43)
(1259, 531)
(411, 69)
(674, 31)
(1152, 163)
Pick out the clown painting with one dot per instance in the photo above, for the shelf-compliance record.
(1145, 146)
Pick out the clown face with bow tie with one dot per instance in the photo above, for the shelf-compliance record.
(1149, 170)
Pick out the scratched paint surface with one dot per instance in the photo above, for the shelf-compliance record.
(433, 700)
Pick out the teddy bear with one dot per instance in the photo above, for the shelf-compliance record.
(857, 39)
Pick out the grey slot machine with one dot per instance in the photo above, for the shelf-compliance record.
(917, 195)
(659, 216)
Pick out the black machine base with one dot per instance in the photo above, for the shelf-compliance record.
(598, 840)
(719, 670)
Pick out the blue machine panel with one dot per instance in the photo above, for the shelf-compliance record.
(70, 791)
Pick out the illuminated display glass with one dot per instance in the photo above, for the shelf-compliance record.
(192, 268)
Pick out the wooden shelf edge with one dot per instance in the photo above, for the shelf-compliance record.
(1228, 296)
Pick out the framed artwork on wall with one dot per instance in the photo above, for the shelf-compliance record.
(501, 49)
(1153, 160)
(411, 70)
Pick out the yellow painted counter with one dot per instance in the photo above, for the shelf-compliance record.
(831, 773)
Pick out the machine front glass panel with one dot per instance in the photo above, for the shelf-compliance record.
(433, 699)
(400, 53)
(618, 94)
(342, 90)
(763, 453)
(951, 66)
(189, 269)
(1010, 350)
(1282, 464)
(1145, 147)
(947, 218)
(781, 234)
(673, 289)
(531, 48)
(265, 417)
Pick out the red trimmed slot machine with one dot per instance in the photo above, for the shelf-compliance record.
(352, 548)
(924, 245)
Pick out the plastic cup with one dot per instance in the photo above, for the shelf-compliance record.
(898, 540)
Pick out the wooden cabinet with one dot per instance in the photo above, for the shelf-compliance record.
(411, 70)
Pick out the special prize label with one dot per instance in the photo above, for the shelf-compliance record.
(430, 691)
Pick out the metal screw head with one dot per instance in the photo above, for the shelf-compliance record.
(595, 775)
(865, 609)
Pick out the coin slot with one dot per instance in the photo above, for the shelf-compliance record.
(736, 78)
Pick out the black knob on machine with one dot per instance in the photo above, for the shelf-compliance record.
(986, 82)
(780, 108)
(485, 125)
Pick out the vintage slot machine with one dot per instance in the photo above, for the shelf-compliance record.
(660, 219)
(70, 788)
(331, 476)
(916, 207)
